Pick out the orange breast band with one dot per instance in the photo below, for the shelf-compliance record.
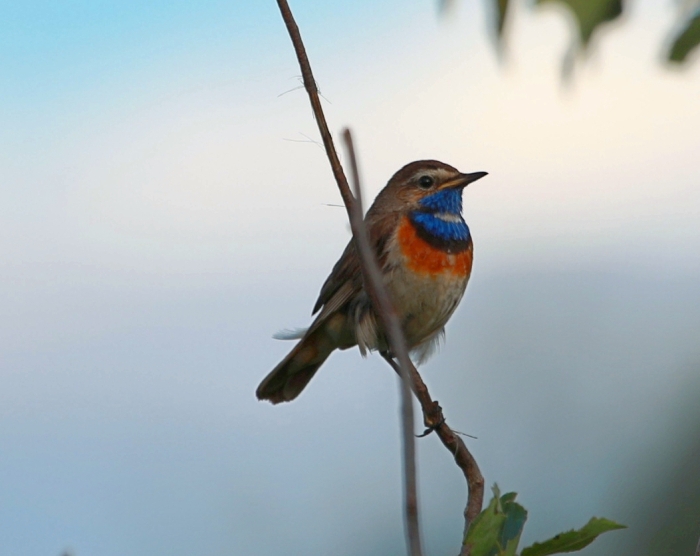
(423, 258)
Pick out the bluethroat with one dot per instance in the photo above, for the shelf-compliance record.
(425, 252)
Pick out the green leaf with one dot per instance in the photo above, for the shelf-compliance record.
(572, 541)
(688, 40)
(496, 530)
(486, 528)
(516, 516)
(590, 14)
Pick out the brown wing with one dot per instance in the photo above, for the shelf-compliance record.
(345, 280)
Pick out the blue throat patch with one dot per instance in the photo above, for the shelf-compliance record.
(447, 202)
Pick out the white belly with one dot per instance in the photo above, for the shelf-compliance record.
(424, 302)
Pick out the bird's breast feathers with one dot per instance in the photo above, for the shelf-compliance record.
(426, 282)
(432, 255)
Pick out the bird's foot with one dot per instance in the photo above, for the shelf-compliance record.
(433, 420)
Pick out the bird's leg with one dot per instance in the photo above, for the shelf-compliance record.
(433, 417)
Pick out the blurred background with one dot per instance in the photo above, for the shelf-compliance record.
(164, 210)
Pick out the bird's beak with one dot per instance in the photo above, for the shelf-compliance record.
(463, 180)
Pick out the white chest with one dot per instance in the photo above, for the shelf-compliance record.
(424, 301)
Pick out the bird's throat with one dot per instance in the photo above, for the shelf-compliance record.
(444, 230)
(439, 221)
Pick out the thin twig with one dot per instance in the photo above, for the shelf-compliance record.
(435, 420)
(312, 90)
(432, 412)
(374, 284)
(371, 275)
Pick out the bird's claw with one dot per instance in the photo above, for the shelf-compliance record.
(431, 428)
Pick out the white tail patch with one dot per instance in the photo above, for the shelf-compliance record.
(365, 330)
(290, 334)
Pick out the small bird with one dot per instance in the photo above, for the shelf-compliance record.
(424, 249)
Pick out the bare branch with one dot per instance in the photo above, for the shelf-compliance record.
(372, 277)
(374, 285)
(312, 90)
(435, 420)
(432, 412)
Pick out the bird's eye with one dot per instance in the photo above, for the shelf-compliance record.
(426, 182)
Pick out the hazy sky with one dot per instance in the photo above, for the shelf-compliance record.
(163, 212)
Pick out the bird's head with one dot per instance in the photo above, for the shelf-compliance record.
(426, 185)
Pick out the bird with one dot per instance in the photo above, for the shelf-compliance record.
(425, 251)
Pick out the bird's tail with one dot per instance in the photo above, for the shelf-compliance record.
(290, 377)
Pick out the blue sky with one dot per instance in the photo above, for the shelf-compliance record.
(162, 214)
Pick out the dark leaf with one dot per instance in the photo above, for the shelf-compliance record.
(590, 14)
(516, 516)
(501, 9)
(688, 40)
